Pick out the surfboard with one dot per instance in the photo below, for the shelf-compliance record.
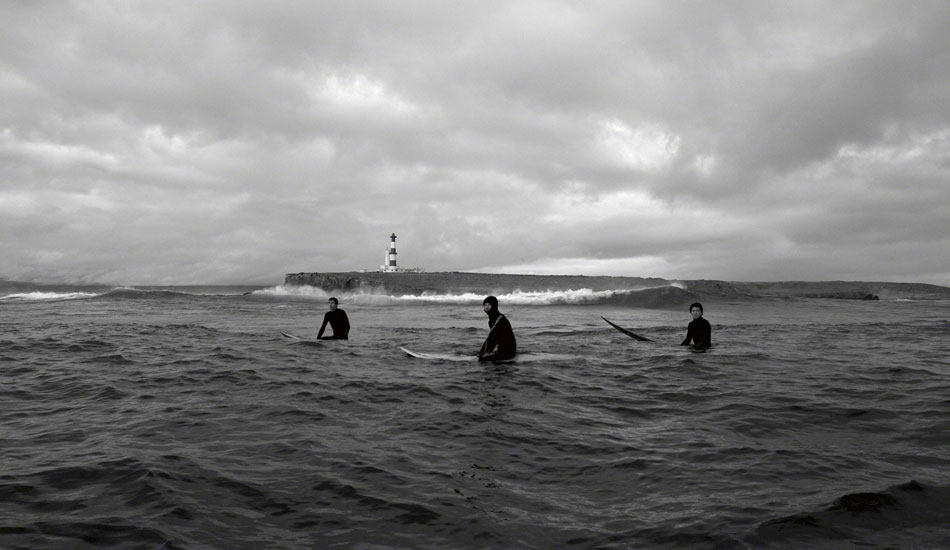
(636, 336)
(525, 357)
(440, 356)
(464, 358)
(294, 339)
(631, 334)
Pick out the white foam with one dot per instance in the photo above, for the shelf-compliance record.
(282, 291)
(42, 296)
(516, 297)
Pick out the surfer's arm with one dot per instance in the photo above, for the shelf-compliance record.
(487, 346)
(689, 336)
(345, 327)
(490, 343)
(323, 327)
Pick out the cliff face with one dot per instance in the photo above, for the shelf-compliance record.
(416, 284)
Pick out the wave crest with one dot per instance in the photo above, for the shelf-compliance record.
(39, 296)
(665, 296)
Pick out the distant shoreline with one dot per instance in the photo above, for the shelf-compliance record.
(485, 283)
(488, 283)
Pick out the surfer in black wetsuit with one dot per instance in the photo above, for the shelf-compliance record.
(500, 344)
(338, 320)
(698, 331)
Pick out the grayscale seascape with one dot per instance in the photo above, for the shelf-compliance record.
(536, 216)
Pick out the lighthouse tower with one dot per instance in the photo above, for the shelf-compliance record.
(390, 261)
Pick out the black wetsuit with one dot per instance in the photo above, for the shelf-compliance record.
(338, 322)
(500, 344)
(699, 332)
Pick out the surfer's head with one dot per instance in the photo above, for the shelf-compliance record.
(696, 310)
(333, 302)
(490, 304)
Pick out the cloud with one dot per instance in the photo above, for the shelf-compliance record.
(179, 142)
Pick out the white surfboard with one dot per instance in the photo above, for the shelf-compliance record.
(520, 358)
(440, 356)
(294, 339)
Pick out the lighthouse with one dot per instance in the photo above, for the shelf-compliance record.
(391, 254)
(389, 260)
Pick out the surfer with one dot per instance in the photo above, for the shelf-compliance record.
(698, 331)
(500, 344)
(338, 320)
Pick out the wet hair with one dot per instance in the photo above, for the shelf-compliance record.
(334, 300)
(696, 304)
(491, 300)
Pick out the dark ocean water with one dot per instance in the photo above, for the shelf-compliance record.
(182, 419)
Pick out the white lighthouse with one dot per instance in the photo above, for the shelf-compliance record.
(389, 260)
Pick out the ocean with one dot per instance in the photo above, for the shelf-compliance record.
(180, 418)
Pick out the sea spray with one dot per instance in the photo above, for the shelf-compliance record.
(666, 296)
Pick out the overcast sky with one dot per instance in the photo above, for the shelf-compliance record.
(232, 142)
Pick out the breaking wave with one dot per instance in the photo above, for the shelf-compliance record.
(146, 294)
(648, 297)
(654, 297)
(47, 296)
